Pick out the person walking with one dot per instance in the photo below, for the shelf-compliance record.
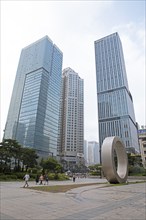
(46, 178)
(74, 178)
(37, 179)
(26, 179)
(41, 179)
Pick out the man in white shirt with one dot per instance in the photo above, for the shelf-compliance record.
(26, 178)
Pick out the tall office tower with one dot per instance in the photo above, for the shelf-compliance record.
(96, 153)
(115, 105)
(90, 153)
(34, 109)
(93, 153)
(71, 132)
(86, 152)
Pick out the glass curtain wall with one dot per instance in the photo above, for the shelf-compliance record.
(115, 105)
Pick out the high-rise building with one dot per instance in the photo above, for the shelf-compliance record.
(71, 131)
(96, 153)
(86, 152)
(34, 109)
(90, 154)
(115, 105)
(93, 153)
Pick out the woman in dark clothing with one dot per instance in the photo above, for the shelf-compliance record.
(37, 179)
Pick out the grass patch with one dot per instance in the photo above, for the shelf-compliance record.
(127, 183)
(60, 188)
(65, 188)
(142, 181)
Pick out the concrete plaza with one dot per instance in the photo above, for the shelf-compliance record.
(96, 202)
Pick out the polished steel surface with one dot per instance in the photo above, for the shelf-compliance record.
(110, 147)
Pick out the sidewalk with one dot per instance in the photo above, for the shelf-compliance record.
(96, 202)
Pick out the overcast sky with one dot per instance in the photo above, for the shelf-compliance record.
(74, 26)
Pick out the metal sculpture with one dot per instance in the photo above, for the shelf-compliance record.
(113, 173)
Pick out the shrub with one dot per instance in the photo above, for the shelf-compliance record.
(32, 176)
(62, 176)
(95, 173)
(8, 177)
(136, 170)
(56, 176)
(34, 170)
(3, 177)
(51, 176)
(20, 175)
(13, 177)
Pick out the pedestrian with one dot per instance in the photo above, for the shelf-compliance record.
(37, 179)
(74, 178)
(41, 179)
(26, 178)
(46, 178)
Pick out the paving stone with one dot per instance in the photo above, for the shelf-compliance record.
(96, 202)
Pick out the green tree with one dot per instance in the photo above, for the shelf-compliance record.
(134, 160)
(95, 169)
(5, 159)
(28, 158)
(135, 164)
(12, 152)
(15, 152)
(51, 165)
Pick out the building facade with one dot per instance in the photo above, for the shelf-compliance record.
(96, 153)
(34, 109)
(93, 153)
(86, 152)
(115, 105)
(71, 131)
(142, 142)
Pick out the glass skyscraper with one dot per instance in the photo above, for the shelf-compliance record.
(71, 129)
(115, 105)
(34, 109)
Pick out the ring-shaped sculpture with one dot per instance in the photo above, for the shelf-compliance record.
(113, 174)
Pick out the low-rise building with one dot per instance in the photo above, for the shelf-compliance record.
(142, 143)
